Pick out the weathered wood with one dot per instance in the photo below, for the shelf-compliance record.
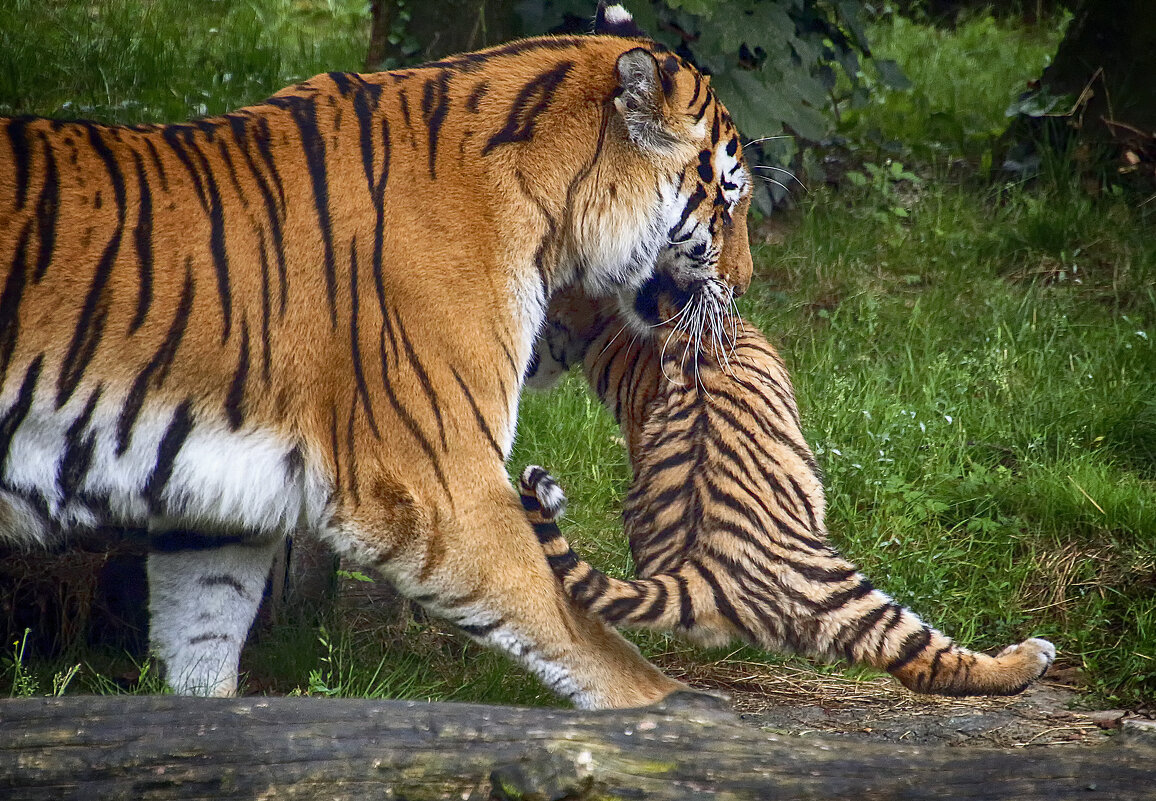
(304, 748)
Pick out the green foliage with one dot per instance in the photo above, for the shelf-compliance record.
(962, 82)
(426, 662)
(23, 681)
(950, 11)
(773, 62)
(887, 188)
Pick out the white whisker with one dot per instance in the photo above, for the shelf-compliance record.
(660, 323)
(700, 326)
(783, 170)
(779, 184)
(680, 322)
(736, 322)
(719, 326)
(612, 339)
(767, 139)
(662, 356)
(686, 329)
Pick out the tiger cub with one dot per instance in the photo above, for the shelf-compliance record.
(725, 512)
(315, 313)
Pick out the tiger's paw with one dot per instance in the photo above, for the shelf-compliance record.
(537, 482)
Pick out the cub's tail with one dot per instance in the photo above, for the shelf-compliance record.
(843, 617)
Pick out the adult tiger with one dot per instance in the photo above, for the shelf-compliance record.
(725, 513)
(317, 311)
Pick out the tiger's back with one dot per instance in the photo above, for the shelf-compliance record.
(157, 281)
(725, 517)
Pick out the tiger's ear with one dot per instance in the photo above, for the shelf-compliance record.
(640, 100)
(616, 21)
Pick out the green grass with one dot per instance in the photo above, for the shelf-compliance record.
(975, 362)
(127, 61)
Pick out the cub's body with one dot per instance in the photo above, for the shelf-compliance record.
(725, 514)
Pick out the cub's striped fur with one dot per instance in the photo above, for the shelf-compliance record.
(316, 312)
(725, 515)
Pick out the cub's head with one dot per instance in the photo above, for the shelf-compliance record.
(674, 163)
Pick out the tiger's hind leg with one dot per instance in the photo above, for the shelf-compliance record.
(203, 597)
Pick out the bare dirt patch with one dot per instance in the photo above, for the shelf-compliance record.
(800, 701)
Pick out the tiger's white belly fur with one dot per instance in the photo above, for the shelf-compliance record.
(218, 481)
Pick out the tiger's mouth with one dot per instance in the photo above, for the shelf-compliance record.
(702, 317)
(659, 301)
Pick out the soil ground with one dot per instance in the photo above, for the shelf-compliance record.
(803, 702)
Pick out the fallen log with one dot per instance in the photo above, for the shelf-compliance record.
(164, 747)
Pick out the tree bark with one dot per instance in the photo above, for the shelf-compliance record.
(165, 747)
(1108, 58)
(381, 20)
(439, 28)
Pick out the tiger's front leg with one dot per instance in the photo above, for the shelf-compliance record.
(477, 563)
(203, 596)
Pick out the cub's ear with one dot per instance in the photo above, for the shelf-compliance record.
(616, 21)
(640, 100)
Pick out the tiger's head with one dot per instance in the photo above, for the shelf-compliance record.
(673, 159)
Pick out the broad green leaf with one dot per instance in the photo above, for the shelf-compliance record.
(850, 14)
(1038, 104)
(806, 88)
(755, 109)
(701, 8)
(891, 74)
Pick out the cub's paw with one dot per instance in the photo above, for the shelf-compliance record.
(537, 484)
(1035, 653)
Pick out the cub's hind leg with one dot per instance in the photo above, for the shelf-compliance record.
(203, 596)
(892, 638)
(825, 608)
(476, 562)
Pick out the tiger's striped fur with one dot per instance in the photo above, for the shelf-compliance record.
(725, 515)
(316, 312)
